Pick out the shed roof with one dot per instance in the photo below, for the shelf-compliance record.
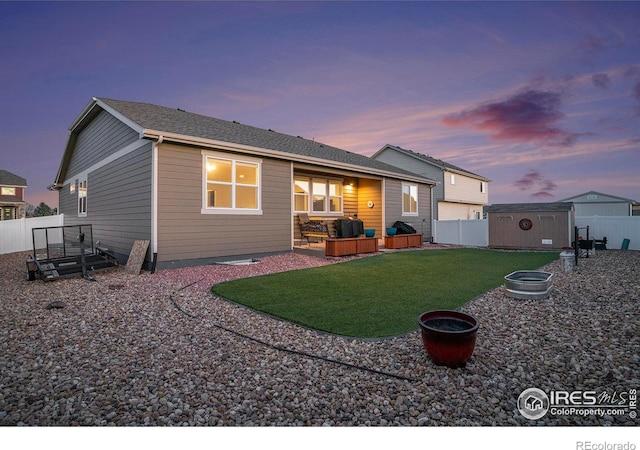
(528, 207)
(153, 121)
(10, 179)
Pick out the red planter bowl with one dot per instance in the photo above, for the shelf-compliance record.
(449, 337)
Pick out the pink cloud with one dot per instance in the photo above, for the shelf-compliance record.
(543, 194)
(533, 180)
(528, 180)
(528, 117)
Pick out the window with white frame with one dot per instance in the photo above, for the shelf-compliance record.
(335, 196)
(231, 185)
(8, 191)
(319, 203)
(483, 187)
(301, 194)
(82, 197)
(453, 179)
(317, 195)
(409, 199)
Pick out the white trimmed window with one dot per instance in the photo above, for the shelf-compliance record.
(317, 195)
(82, 197)
(8, 191)
(335, 196)
(453, 179)
(409, 199)
(301, 194)
(483, 187)
(231, 186)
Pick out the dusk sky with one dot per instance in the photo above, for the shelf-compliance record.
(542, 98)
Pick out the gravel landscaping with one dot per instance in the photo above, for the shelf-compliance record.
(159, 349)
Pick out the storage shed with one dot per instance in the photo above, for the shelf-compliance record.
(533, 226)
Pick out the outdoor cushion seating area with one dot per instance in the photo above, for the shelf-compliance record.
(345, 236)
(342, 235)
(313, 228)
(322, 229)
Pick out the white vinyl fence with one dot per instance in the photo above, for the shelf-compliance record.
(461, 232)
(476, 232)
(615, 229)
(15, 235)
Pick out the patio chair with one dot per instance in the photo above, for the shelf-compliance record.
(315, 229)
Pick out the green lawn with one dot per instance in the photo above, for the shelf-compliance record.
(380, 295)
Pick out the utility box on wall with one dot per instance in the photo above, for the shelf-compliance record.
(532, 226)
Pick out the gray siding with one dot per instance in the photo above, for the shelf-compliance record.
(68, 205)
(598, 204)
(185, 233)
(416, 166)
(102, 137)
(393, 207)
(118, 201)
(602, 209)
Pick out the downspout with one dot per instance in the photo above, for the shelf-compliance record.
(154, 203)
(382, 208)
(431, 238)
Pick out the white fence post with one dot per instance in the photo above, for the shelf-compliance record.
(462, 232)
(615, 229)
(15, 235)
(476, 232)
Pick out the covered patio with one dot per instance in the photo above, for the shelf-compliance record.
(328, 196)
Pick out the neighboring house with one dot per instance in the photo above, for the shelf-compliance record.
(535, 226)
(598, 204)
(12, 204)
(459, 194)
(203, 189)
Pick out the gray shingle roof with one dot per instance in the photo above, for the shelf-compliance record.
(435, 161)
(10, 179)
(169, 120)
(527, 207)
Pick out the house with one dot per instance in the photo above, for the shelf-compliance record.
(534, 226)
(598, 204)
(12, 204)
(201, 189)
(459, 194)
(533, 403)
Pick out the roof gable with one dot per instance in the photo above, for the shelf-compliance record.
(153, 118)
(597, 197)
(440, 164)
(9, 179)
